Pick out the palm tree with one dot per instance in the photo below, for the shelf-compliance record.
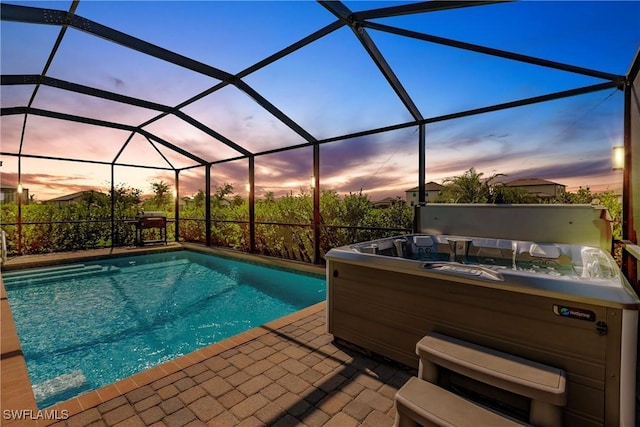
(467, 188)
(161, 191)
(472, 188)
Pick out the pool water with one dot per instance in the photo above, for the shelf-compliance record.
(84, 326)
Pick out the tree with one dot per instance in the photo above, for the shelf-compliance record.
(502, 193)
(95, 198)
(237, 200)
(356, 207)
(161, 196)
(198, 198)
(471, 188)
(221, 193)
(125, 197)
(467, 188)
(269, 197)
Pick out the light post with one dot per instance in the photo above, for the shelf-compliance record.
(19, 193)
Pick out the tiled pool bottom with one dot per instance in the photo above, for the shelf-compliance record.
(225, 384)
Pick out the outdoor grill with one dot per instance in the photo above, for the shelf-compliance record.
(150, 220)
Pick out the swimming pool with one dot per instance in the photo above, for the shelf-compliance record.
(85, 325)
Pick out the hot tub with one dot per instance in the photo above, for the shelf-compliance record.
(530, 280)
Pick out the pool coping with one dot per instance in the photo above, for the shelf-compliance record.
(45, 260)
(16, 393)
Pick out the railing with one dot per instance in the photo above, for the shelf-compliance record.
(3, 247)
(631, 262)
(60, 236)
(288, 240)
(35, 237)
(283, 240)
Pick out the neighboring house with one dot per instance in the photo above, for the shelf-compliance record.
(387, 202)
(432, 190)
(10, 195)
(71, 198)
(538, 187)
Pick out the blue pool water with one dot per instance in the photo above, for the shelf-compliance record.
(87, 325)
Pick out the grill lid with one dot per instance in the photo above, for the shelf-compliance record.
(151, 214)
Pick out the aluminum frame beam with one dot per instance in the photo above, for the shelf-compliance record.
(103, 123)
(345, 14)
(34, 15)
(87, 90)
(27, 79)
(93, 162)
(32, 79)
(494, 52)
(497, 107)
(261, 64)
(435, 119)
(426, 6)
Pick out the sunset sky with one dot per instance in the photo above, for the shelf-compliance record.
(330, 88)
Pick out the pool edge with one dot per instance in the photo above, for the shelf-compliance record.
(15, 387)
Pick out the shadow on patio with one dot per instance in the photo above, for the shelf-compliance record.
(291, 374)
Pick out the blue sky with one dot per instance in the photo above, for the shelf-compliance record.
(330, 87)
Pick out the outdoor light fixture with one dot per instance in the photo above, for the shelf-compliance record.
(175, 193)
(617, 158)
(248, 187)
(19, 189)
(312, 181)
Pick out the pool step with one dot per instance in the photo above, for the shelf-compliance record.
(134, 268)
(45, 270)
(42, 276)
(61, 387)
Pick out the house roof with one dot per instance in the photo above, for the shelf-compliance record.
(430, 186)
(72, 196)
(388, 200)
(525, 182)
(11, 188)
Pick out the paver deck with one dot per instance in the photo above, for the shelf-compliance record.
(286, 373)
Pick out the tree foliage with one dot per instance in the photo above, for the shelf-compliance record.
(470, 187)
(161, 195)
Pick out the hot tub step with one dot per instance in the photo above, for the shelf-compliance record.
(420, 402)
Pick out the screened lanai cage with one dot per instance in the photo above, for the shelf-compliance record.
(272, 127)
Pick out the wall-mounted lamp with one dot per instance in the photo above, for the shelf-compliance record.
(312, 181)
(617, 157)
